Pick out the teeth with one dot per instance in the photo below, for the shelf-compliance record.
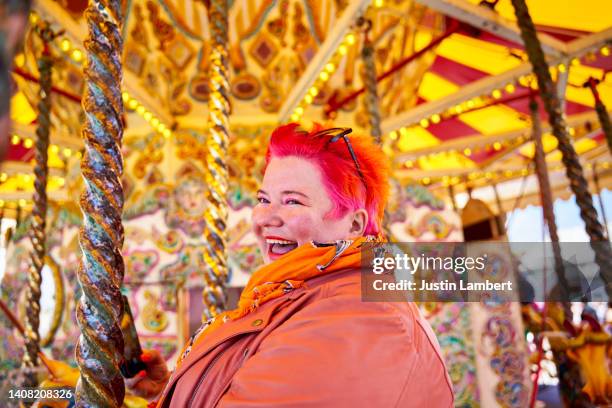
(279, 241)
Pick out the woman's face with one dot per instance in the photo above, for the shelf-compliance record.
(292, 209)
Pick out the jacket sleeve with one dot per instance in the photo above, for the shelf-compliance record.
(342, 352)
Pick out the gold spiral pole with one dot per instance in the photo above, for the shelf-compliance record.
(100, 347)
(39, 211)
(371, 99)
(574, 172)
(369, 78)
(217, 175)
(13, 22)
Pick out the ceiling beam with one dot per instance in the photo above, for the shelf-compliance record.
(60, 195)
(488, 20)
(596, 153)
(417, 174)
(471, 142)
(77, 33)
(74, 142)
(497, 158)
(460, 144)
(18, 167)
(530, 196)
(475, 89)
(323, 55)
(590, 42)
(29, 131)
(485, 86)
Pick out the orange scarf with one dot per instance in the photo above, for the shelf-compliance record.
(288, 272)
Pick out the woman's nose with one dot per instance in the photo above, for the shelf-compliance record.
(267, 216)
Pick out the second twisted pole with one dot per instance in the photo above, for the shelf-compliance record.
(369, 77)
(39, 211)
(216, 160)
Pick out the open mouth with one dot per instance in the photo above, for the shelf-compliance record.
(278, 247)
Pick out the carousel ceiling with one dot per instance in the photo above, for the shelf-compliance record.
(454, 99)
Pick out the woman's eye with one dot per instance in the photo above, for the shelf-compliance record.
(262, 200)
(293, 202)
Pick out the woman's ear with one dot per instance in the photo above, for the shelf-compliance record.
(359, 223)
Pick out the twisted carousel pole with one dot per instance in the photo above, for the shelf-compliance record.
(369, 79)
(15, 19)
(546, 196)
(567, 369)
(500, 211)
(371, 97)
(217, 174)
(602, 208)
(451, 195)
(18, 212)
(578, 183)
(602, 111)
(39, 211)
(100, 347)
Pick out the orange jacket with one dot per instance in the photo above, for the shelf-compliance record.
(317, 346)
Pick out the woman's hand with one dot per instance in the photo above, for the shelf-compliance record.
(150, 383)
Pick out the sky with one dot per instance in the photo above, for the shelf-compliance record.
(525, 225)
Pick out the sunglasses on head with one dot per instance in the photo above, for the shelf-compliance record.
(334, 135)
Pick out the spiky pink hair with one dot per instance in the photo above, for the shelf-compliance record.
(340, 177)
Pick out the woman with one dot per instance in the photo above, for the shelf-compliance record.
(301, 336)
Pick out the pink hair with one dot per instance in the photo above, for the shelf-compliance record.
(340, 176)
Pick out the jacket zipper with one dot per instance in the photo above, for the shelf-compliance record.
(212, 363)
(219, 356)
(244, 355)
(227, 385)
